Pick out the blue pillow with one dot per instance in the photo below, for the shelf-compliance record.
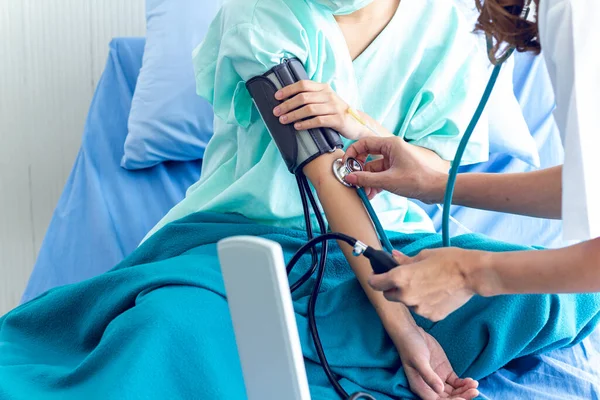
(168, 120)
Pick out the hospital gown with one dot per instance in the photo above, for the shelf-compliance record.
(422, 78)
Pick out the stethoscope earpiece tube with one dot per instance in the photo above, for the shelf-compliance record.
(465, 141)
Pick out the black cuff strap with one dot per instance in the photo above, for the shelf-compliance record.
(297, 148)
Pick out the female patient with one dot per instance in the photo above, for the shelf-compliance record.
(157, 325)
(373, 55)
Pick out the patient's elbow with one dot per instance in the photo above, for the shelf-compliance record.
(319, 170)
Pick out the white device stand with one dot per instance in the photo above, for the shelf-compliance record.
(263, 318)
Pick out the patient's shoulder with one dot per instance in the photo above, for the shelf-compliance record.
(267, 15)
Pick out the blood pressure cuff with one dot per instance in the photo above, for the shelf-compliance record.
(298, 148)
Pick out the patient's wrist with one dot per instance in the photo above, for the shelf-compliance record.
(365, 133)
(374, 124)
(396, 318)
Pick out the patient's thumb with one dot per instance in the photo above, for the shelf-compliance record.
(431, 378)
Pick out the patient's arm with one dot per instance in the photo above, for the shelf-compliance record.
(310, 105)
(427, 368)
(346, 214)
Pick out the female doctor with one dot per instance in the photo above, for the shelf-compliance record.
(437, 282)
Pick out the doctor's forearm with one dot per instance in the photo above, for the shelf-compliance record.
(432, 159)
(346, 214)
(536, 194)
(574, 269)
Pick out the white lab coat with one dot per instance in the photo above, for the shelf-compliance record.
(570, 38)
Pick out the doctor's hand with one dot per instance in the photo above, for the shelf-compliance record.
(310, 104)
(402, 169)
(428, 370)
(434, 283)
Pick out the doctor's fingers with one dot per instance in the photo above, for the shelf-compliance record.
(393, 279)
(372, 192)
(383, 282)
(372, 166)
(371, 145)
(302, 99)
(375, 180)
(377, 165)
(434, 308)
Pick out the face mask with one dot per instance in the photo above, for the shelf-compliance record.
(344, 7)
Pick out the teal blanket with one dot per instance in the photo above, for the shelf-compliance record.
(157, 326)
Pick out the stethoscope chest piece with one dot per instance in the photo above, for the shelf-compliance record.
(341, 169)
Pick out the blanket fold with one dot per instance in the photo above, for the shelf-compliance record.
(158, 325)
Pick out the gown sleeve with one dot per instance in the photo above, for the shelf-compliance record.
(230, 56)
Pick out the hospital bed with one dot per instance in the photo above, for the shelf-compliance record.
(105, 211)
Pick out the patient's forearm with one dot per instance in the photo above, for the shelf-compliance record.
(346, 214)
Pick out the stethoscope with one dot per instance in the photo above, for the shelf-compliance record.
(384, 259)
(342, 169)
(497, 62)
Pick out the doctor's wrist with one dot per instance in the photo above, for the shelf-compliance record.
(481, 274)
(433, 188)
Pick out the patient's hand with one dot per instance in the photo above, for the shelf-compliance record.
(315, 105)
(428, 370)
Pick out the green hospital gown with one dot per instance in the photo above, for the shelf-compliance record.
(422, 78)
